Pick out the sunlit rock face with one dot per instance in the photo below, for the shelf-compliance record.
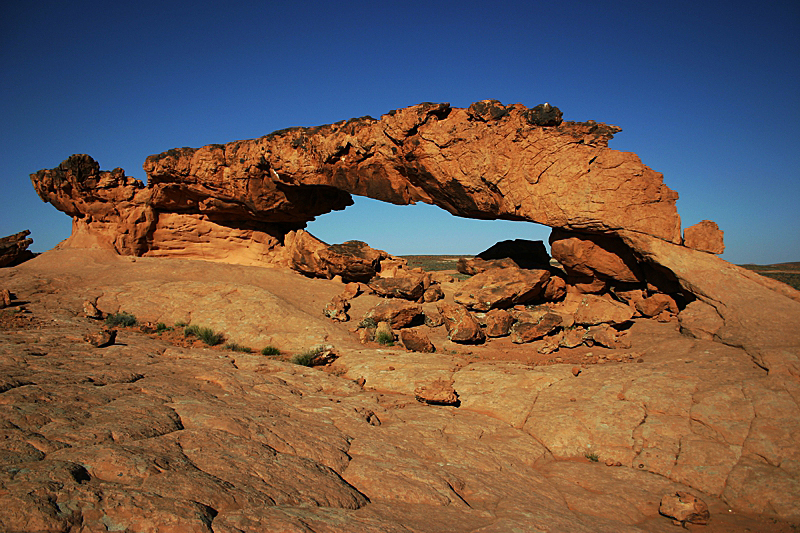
(488, 161)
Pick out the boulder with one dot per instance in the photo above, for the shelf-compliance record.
(685, 508)
(416, 341)
(595, 256)
(438, 392)
(501, 288)
(704, 236)
(433, 293)
(408, 288)
(523, 253)
(5, 298)
(498, 323)
(655, 304)
(700, 320)
(461, 325)
(14, 249)
(533, 325)
(594, 309)
(352, 260)
(555, 289)
(90, 310)
(101, 339)
(398, 313)
(337, 309)
(476, 265)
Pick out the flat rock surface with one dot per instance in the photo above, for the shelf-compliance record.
(152, 435)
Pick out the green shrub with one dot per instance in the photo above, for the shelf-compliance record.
(121, 319)
(593, 457)
(270, 350)
(161, 328)
(232, 346)
(367, 323)
(385, 338)
(181, 324)
(207, 335)
(305, 358)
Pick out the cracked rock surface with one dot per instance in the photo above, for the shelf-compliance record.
(146, 435)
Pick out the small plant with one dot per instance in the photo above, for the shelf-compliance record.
(306, 358)
(181, 324)
(232, 346)
(385, 338)
(121, 319)
(207, 335)
(593, 457)
(161, 328)
(270, 350)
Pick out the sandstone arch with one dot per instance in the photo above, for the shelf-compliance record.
(238, 202)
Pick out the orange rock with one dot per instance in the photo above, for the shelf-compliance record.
(501, 288)
(595, 256)
(704, 236)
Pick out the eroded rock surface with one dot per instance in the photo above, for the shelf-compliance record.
(146, 435)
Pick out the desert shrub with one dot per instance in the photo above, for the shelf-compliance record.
(207, 335)
(181, 324)
(305, 358)
(121, 319)
(232, 346)
(270, 350)
(593, 457)
(385, 338)
(161, 328)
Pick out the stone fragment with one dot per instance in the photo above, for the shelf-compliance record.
(700, 320)
(601, 335)
(352, 260)
(14, 249)
(461, 325)
(416, 341)
(433, 318)
(433, 293)
(408, 288)
(684, 507)
(595, 256)
(337, 309)
(351, 290)
(532, 326)
(476, 265)
(704, 236)
(655, 304)
(91, 310)
(586, 284)
(555, 289)
(501, 288)
(523, 253)
(498, 323)
(594, 309)
(439, 392)
(398, 313)
(573, 337)
(5, 298)
(102, 338)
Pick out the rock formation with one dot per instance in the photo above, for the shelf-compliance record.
(14, 249)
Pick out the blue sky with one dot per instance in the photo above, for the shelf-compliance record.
(705, 92)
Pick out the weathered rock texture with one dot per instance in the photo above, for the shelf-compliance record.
(488, 161)
(14, 248)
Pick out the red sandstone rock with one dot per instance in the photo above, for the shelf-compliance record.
(14, 249)
(498, 323)
(439, 392)
(352, 260)
(704, 236)
(595, 256)
(555, 289)
(408, 288)
(398, 313)
(501, 288)
(685, 508)
(700, 320)
(5, 298)
(476, 265)
(256, 191)
(416, 341)
(534, 325)
(101, 339)
(461, 325)
(655, 304)
(598, 310)
(337, 309)
(433, 293)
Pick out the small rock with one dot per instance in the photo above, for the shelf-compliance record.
(101, 339)
(685, 508)
(5, 298)
(461, 325)
(498, 323)
(576, 370)
(336, 309)
(440, 392)
(433, 293)
(91, 310)
(416, 341)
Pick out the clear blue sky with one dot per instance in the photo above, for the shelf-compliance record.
(708, 93)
